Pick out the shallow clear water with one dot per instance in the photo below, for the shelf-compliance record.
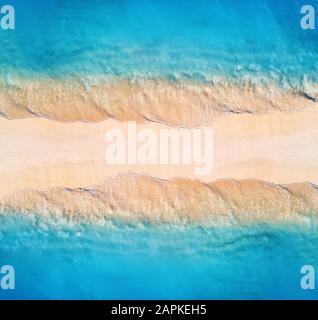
(120, 261)
(257, 40)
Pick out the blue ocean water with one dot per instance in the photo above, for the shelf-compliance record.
(114, 260)
(181, 39)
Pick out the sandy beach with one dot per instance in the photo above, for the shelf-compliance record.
(277, 147)
(188, 104)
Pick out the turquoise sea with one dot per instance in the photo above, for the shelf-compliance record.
(113, 260)
(180, 40)
(252, 40)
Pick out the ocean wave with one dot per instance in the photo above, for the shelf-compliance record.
(160, 256)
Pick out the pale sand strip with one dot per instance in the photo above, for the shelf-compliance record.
(39, 153)
(186, 104)
(138, 198)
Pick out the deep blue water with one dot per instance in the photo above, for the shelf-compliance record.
(203, 40)
(120, 261)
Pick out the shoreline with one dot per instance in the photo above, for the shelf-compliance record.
(174, 104)
(153, 200)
